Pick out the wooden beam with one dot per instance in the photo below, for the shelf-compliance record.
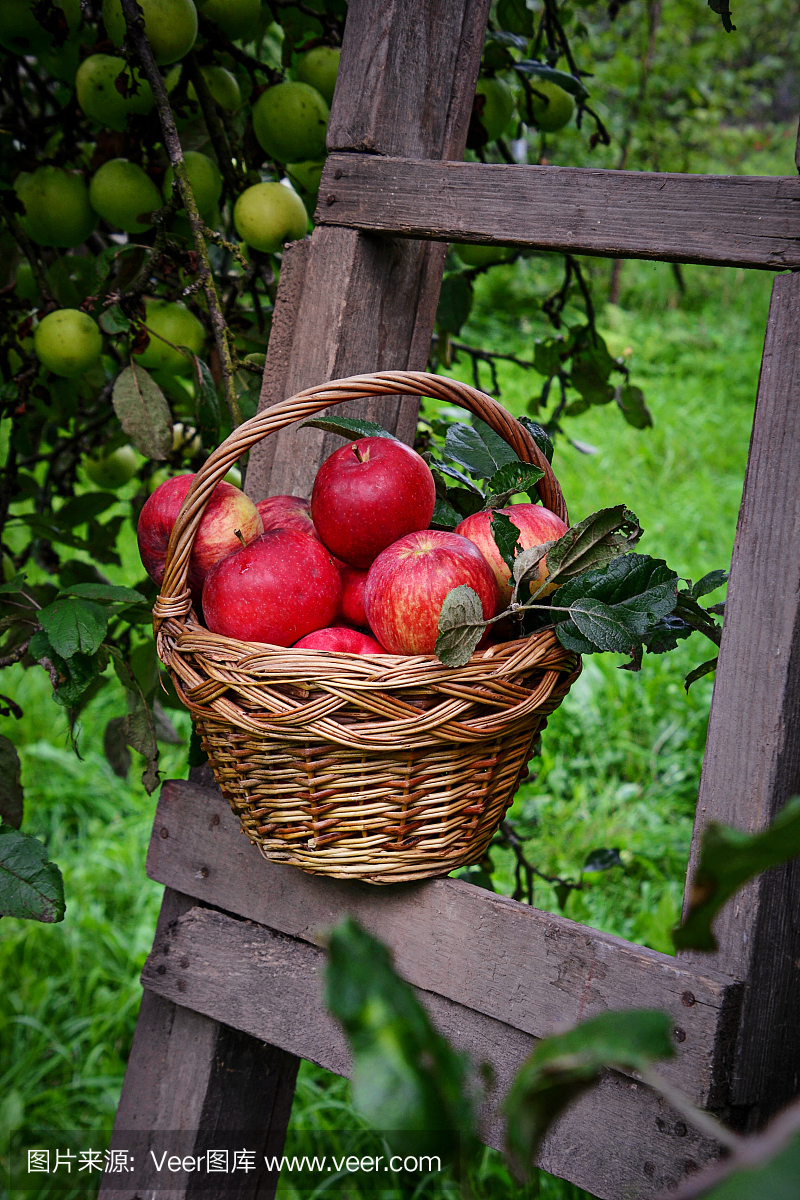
(405, 86)
(736, 220)
(530, 969)
(752, 760)
(189, 1074)
(618, 1140)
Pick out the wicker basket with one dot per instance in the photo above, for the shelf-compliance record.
(376, 767)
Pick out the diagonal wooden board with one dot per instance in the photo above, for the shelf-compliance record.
(738, 220)
(532, 970)
(269, 986)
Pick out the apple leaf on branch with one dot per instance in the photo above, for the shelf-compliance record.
(593, 542)
(512, 478)
(348, 427)
(479, 449)
(30, 885)
(614, 607)
(143, 413)
(506, 537)
(461, 626)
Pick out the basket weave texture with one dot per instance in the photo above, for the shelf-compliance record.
(383, 768)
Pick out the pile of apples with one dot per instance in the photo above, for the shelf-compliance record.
(357, 570)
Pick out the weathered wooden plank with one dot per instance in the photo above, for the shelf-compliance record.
(530, 969)
(620, 1140)
(752, 760)
(724, 220)
(187, 1072)
(406, 82)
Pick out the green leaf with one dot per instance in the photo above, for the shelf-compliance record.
(633, 407)
(567, 1064)
(113, 320)
(709, 583)
(75, 673)
(605, 627)
(11, 795)
(723, 10)
(30, 885)
(349, 427)
(506, 537)
(455, 303)
(602, 860)
(111, 593)
(140, 727)
(497, 446)
(515, 17)
(548, 354)
(480, 450)
(81, 509)
(540, 436)
(206, 404)
(614, 607)
(594, 541)
(705, 668)
(728, 858)
(666, 634)
(569, 83)
(697, 617)
(444, 514)
(143, 413)
(74, 625)
(405, 1075)
(13, 585)
(115, 747)
(461, 626)
(513, 478)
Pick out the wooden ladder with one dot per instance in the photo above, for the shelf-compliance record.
(232, 986)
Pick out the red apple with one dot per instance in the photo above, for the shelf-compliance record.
(228, 513)
(342, 639)
(535, 524)
(353, 584)
(369, 494)
(408, 582)
(279, 588)
(287, 512)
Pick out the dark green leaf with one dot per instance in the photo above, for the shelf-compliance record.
(548, 355)
(728, 858)
(349, 427)
(81, 509)
(140, 728)
(455, 302)
(143, 413)
(605, 627)
(567, 1064)
(595, 540)
(112, 593)
(465, 445)
(11, 795)
(515, 17)
(113, 320)
(602, 860)
(461, 626)
(513, 478)
(445, 515)
(164, 729)
(687, 608)
(454, 473)
(633, 407)
(506, 537)
(709, 583)
(723, 10)
(206, 404)
(568, 82)
(13, 585)
(562, 891)
(705, 668)
(614, 607)
(74, 625)
(666, 634)
(115, 747)
(497, 446)
(540, 436)
(30, 885)
(405, 1075)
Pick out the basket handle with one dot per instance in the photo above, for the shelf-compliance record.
(174, 599)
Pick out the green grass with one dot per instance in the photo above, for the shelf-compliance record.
(621, 757)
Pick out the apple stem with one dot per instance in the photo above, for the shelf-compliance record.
(358, 454)
(238, 534)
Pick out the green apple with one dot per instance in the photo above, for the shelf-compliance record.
(113, 469)
(124, 195)
(57, 208)
(479, 256)
(67, 342)
(170, 322)
(170, 25)
(318, 68)
(305, 176)
(72, 279)
(290, 121)
(98, 95)
(498, 105)
(223, 86)
(205, 180)
(21, 33)
(24, 282)
(238, 19)
(552, 113)
(269, 214)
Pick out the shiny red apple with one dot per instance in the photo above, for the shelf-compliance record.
(408, 582)
(354, 582)
(535, 524)
(367, 495)
(228, 514)
(287, 512)
(342, 639)
(279, 588)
